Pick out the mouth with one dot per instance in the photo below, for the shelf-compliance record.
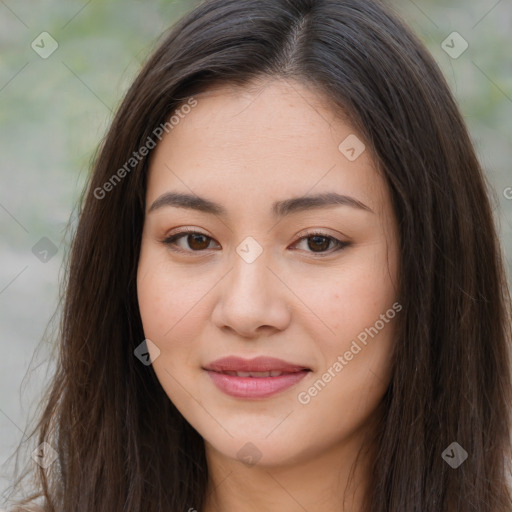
(262, 366)
(272, 373)
(256, 378)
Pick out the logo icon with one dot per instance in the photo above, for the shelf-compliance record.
(44, 455)
(352, 148)
(454, 45)
(44, 45)
(249, 250)
(249, 454)
(454, 455)
(44, 250)
(147, 352)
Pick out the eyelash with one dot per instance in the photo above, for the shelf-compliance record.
(171, 242)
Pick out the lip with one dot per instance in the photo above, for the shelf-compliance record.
(258, 364)
(254, 387)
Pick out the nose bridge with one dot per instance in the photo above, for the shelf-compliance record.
(250, 272)
(250, 297)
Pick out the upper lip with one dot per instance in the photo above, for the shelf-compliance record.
(258, 364)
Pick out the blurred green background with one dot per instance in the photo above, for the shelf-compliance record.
(54, 112)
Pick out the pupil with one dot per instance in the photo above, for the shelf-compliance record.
(324, 246)
(194, 241)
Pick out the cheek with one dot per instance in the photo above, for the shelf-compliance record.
(348, 299)
(169, 304)
(356, 308)
(169, 311)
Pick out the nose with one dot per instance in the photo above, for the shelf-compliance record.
(252, 300)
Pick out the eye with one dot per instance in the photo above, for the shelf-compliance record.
(317, 243)
(195, 241)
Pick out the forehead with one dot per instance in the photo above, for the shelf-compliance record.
(260, 143)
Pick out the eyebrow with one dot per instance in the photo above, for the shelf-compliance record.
(279, 208)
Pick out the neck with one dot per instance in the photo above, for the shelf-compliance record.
(328, 481)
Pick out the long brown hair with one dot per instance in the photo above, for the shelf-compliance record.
(122, 444)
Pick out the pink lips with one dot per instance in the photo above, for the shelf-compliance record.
(254, 386)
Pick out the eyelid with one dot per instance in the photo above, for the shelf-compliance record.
(319, 232)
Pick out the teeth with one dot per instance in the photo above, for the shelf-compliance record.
(258, 374)
(273, 373)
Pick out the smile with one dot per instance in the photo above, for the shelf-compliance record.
(257, 378)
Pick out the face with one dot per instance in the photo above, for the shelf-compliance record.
(249, 268)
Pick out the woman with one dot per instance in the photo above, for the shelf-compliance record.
(285, 288)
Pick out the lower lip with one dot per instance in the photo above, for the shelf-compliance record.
(255, 387)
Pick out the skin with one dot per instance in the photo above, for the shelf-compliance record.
(245, 148)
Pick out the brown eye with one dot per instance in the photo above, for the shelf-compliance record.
(320, 243)
(193, 241)
(198, 242)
